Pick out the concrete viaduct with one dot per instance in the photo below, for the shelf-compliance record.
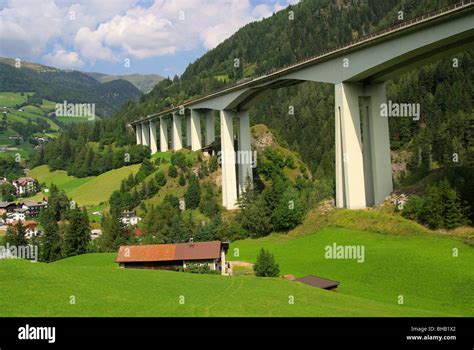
(358, 70)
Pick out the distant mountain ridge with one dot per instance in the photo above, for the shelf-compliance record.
(60, 85)
(144, 82)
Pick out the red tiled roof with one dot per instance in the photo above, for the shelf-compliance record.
(169, 252)
(137, 232)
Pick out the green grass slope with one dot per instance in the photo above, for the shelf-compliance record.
(100, 288)
(421, 268)
(100, 188)
(59, 177)
(89, 191)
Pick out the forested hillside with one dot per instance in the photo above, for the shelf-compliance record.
(72, 86)
(444, 92)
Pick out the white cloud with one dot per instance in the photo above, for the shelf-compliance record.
(167, 27)
(63, 59)
(28, 26)
(91, 30)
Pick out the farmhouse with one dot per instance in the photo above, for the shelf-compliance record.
(173, 256)
(33, 207)
(30, 226)
(129, 218)
(25, 185)
(7, 207)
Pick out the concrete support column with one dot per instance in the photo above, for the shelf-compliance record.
(229, 182)
(350, 184)
(163, 135)
(138, 133)
(195, 130)
(244, 154)
(210, 129)
(153, 137)
(188, 131)
(146, 134)
(177, 136)
(378, 141)
(363, 166)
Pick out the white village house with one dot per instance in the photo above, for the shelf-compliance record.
(129, 218)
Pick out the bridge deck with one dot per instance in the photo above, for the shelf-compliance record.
(329, 53)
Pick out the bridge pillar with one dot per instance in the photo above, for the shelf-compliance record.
(363, 167)
(153, 138)
(195, 130)
(163, 134)
(376, 140)
(138, 133)
(229, 181)
(210, 130)
(177, 135)
(188, 131)
(244, 154)
(146, 134)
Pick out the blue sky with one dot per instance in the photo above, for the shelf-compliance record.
(123, 36)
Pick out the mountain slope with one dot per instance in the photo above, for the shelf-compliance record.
(144, 82)
(61, 85)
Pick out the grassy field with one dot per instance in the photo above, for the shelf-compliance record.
(100, 288)
(10, 99)
(99, 188)
(59, 177)
(89, 191)
(420, 268)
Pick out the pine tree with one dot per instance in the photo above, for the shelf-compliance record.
(51, 239)
(192, 197)
(77, 233)
(20, 232)
(172, 172)
(265, 266)
(181, 180)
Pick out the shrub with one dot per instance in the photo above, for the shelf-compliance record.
(160, 178)
(198, 268)
(213, 164)
(173, 172)
(266, 265)
(441, 207)
(192, 197)
(181, 180)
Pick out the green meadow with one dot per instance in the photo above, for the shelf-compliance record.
(420, 268)
(89, 191)
(99, 288)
